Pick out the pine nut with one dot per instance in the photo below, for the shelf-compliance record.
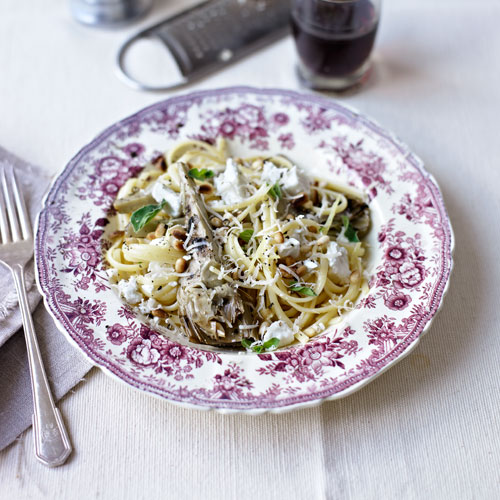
(180, 265)
(314, 196)
(308, 205)
(205, 188)
(300, 200)
(301, 270)
(312, 229)
(159, 313)
(279, 238)
(160, 230)
(151, 236)
(178, 245)
(289, 261)
(235, 275)
(216, 222)
(129, 241)
(160, 163)
(179, 233)
(116, 234)
(323, 240)
(355, 276)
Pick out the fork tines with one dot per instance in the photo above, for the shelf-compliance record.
(14, 219)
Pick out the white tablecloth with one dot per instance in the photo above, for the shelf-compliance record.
(429, 428)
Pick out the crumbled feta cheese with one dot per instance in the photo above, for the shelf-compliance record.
(338, 260)
(129, 291)
(295, 181)
(291, 247)
(310, 264)
(229, 184)
(281, 331)
(161, 192)
(146, 306)
(157, 269)
(292, 180)
(147, 288)
(112, 273)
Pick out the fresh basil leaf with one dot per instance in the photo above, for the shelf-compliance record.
(304, 290)
(275, 191)
(258, 348)
(271, 344)
(349, 232)
(201, 174)
(246, 343)
(246, 235)
(144, 214)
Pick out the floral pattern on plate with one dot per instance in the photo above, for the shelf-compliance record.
(410, 251)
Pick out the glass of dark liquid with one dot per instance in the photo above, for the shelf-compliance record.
(334, 40)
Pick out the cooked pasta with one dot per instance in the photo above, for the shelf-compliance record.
(231, 250)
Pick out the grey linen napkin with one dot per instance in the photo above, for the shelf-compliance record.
(64, 365)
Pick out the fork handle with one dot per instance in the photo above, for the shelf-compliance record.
(52, 445)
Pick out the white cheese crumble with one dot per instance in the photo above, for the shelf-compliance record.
(338, 260)
(147, 288)
(129, 291)
(161, 192)
(146, 306)
(290, 248)
(229, 184)
(292, 180)
(281, 331)
(310, 264)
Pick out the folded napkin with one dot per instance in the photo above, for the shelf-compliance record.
(64, 365)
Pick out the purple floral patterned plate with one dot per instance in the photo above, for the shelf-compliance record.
(410, 251)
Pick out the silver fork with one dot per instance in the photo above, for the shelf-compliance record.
(52, 445)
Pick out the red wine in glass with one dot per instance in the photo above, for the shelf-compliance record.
(334, 39)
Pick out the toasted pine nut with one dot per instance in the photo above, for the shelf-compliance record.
(235, 275)
(151, 236)
(129, 241)
(178, 245)
(116, 234)
(160, 163)
(180, 265)
(179, 233)
(216, 222)
(258, 164)
(322, 241)
(289, 217)
(308, 205)
(285, 274)
(289, 261)
(301, 270)
(300, 200)
(160, 230)
(355, 276)
(159, 313)
(312, 229)
(278, 237)
(266, 313)
(205, 188)
(314, 196)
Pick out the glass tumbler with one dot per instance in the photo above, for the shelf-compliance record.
(334, 40)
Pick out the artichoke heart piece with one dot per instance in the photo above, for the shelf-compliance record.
(211, 310)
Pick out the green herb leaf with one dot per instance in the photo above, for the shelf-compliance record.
(271, 344)
(246, 343)
(246, 235)
(349, 232)
(275, 191)
(304, 290)
(258, 348)
(201, 174)
(143, 215)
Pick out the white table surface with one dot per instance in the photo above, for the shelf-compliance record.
(429, 428)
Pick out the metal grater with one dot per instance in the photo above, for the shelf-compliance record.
(213, 34)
